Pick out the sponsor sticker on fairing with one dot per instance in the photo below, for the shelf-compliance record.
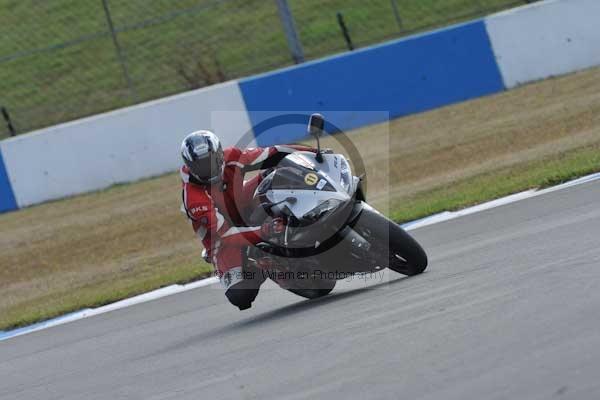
(311, 179)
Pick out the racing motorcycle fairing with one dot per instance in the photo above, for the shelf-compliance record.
(328, 225)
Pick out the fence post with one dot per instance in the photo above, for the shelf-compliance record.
(118, 50)
(9, 125)
(345, 32)
(289, 27)
(397, 15)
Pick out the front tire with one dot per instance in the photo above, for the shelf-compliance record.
(391, 245)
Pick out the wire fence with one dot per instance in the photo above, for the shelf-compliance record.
(65, 59)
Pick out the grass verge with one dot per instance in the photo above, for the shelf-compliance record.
(489, 186)
(96, 295)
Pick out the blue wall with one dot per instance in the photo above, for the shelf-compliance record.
(7, 197)
(407, 76)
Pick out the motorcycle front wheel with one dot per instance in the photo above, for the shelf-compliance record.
(391, 245)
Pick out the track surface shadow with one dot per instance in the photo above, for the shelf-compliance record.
(238, 327)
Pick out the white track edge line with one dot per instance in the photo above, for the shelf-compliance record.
(174, 289)
(513, 198)
(90, 312)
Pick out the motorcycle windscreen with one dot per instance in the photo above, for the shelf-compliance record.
(294, 172)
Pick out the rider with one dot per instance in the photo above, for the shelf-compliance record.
(216, 198)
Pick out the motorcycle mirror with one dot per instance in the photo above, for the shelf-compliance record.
(316, 125)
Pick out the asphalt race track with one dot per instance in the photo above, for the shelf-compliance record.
(509, 309)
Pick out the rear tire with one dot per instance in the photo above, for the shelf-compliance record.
(311, 293)
(393, 247)
(314, 288)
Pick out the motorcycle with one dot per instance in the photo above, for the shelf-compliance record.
(331, 232)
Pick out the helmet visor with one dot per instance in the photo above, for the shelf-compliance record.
(208, 167)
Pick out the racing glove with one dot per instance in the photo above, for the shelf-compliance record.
(273, 228)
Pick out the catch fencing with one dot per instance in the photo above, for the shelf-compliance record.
(63, 59)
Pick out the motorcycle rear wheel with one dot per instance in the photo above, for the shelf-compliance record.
(313, 288)
(311, 293)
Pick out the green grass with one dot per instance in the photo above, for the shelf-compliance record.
(541, 173)
(161, 37)
(538, 174)
(100, 294)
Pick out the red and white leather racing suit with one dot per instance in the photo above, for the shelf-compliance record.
(216, 212)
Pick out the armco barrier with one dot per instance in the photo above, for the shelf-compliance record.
(546, 39)
(402, 77)
(120, 146)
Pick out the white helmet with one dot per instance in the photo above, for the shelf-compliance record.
(202, 153)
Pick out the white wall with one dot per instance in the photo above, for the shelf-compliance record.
(119, 146)
(545, 39)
